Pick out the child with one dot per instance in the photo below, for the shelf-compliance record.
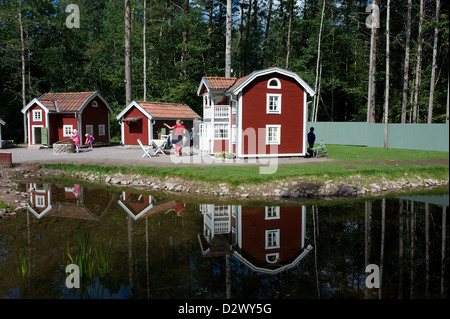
(89, 141)
(178, 136)
(75, 140)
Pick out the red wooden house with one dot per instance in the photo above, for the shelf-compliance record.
(53, 116)
(261, 114)
(145, 120)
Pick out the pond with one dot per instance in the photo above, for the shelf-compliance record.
(132, 244)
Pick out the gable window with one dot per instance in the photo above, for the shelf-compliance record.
(272, 212)
(37, 115)
(94, 104)
(272, 238)
(272, 258)
(274, 83)
(273, 134)
(273, 104)
(67, 130)
(40, 201)
(101, 130)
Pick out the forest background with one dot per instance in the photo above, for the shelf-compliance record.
(174, 43)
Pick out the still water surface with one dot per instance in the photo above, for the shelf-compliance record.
(170, 248)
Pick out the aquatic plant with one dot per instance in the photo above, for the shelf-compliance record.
(23, 265)
(87, 255)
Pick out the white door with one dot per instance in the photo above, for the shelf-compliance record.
(204, 137)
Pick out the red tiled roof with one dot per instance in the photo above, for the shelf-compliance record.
(219, 83)
(168, 110)
(237, 82)
(65, 102)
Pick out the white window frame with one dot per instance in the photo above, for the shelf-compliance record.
(37, 115)
(90, 129)
(273, 142)
(278, 86)
(40, 201)
(234, 132)
(272, 212)
(101, 129)
(269, 96)
(94, 104)
(225, 133)
(65, 132)
(272, 238)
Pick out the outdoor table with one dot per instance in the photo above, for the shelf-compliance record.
(159, 145)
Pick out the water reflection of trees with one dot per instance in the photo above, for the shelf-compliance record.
(157, 255)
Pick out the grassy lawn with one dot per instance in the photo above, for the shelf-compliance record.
(348, 161)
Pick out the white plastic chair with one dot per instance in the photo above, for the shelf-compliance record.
(146, 149)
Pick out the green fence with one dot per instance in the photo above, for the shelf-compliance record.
(429, 137)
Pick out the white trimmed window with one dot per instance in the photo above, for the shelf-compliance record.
(272, 238)
(272, 212)
(221, 131)
(94, 104)
(101, 130)
(40, 201)
(67, 130)
(274, 83)
(273, 134)
(37, 115)
(273, 104)
(90, 129)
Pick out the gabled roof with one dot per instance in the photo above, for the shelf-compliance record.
(65, 102)
(161, 110)
(237, 87)
(234, 86)
(216, 83)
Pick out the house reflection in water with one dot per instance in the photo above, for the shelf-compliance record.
(267, 239)
(66, 201)
(141, 206)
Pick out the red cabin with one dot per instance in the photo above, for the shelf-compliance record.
(52, 117)
(145, 120)
(262, 114)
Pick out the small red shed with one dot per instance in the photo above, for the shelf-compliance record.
(259, 115)
(145, 120)
(53, 116)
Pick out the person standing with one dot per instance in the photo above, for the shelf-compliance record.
(75, 140)
(311, 140)
(178, 136)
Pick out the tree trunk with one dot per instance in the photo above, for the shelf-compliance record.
(228, 41)
(372, 69)
(145, 50)
(434, 65)
(386, 97)
(128, 92)
(288, 44)
(406, 66)
(185, 39)
(316, 97)
(266, 34)
(418, 64)
(22, 54)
